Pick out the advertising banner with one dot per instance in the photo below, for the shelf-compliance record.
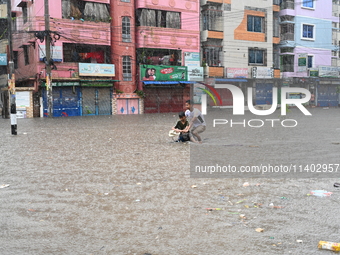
(302, 62)
(192, 59)
(87, 69)
(163, 73)
(313, 72)
(195, 73)
(237, 72)
(328, 71)
(56, 53)
(263, 72)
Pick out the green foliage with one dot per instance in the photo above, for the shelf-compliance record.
(140, 93)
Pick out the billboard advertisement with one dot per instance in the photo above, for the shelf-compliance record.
(237, 72)
(163, 73)
(87, 69)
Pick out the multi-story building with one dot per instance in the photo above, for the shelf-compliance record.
(82, 73)
(239, 41)
(123, 55)
(167, 45)
(107, 54)
(3, 58)
(98, 50)
(309, 47)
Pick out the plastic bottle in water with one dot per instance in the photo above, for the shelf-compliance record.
(329, 246)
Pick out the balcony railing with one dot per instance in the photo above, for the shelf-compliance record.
(287, 4)
(287, 37)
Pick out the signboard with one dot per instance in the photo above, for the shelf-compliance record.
(87, 69)
(3, 59)
(195, 73)
(262, 72)
(163, 73)
(302, 62)
(237, 72)
(22, 99)
(329, 71)
(313, 72)
(62, 84)
(56, 53)
(192, 59)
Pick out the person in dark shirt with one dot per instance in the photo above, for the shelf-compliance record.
(182, 126)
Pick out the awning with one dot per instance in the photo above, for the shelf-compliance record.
(98, 80)
(231, 80)
(97, 83)
(160, 82)
(187, 82)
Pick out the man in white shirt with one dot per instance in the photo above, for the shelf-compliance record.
(197, 122)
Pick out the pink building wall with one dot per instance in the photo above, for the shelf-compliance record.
(187, 38)
(72, 31)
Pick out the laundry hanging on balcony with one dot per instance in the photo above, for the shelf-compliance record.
(98, 56)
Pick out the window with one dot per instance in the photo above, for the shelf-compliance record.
(276, 25)
(287, 63)
(86, 53)
(255, 24)
(158, 18)
(310, 61)
(14, 21)
(307, 31)
(211, 55)
(15, 59)
(212, 19)
(127, 74)
(126, 29)
(334, 62)
(25, 47)
(24, 12)
(256, 57)
(126, 1)
(88, 11)
(308, 3)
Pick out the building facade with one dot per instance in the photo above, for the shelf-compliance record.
(167, 33)
(144, 56)
(239, 43)
(309, 48)
(82, 71)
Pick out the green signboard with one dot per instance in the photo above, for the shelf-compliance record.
(163, 73)
(314, 73)
(62, 84)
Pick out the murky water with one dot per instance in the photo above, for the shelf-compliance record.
(118, 185)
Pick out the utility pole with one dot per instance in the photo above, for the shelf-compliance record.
(11, 76)
(48, 61)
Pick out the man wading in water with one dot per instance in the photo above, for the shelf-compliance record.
(197, 122)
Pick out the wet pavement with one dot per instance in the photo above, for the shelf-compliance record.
(118, 185)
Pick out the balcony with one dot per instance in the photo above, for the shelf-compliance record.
(78, 31)
(287, 4)
(287, 37)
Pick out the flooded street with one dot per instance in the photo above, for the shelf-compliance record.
(119, 185)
